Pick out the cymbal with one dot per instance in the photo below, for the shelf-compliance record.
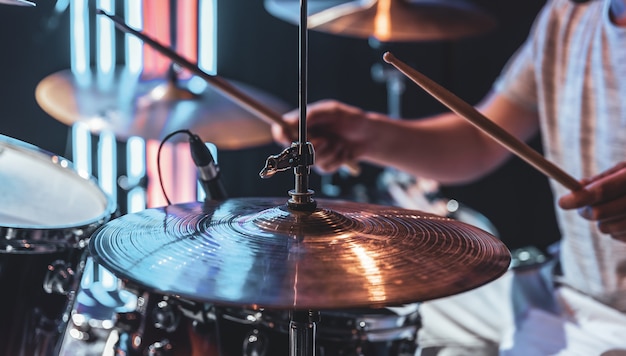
(389, 20)
(129, 106)
(17, 2)
(256, 252)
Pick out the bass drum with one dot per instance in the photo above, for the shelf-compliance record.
(47, 214)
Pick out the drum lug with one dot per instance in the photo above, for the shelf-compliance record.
(166, 316)
(59, 279)
(255, 343)
(160, 348)
(128, 322)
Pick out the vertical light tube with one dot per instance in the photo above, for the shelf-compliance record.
(187, 33)
(156, 23)
(133, 45)
(207, 36)
(105, 36)
(107, 164)
(136, 198)
(79, 37)
(81, 148)
(186, 176)
(136, 170)
(154, 193)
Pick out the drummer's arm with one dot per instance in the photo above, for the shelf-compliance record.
(446, 147)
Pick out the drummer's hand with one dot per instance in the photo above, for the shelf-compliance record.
(336, 130)
(279, 131)
(603, 200)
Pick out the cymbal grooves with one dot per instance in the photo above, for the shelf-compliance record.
(256, 252)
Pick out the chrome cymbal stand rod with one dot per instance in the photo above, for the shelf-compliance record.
(302, 328)
(301, 196)
(302, 324)
(300, 155)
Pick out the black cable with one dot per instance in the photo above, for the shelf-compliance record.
(165, 139)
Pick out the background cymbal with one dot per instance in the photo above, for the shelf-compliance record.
(151, 109)
(389, 20)
(17, 2)
(256, 252)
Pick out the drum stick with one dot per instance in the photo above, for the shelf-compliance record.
(468, 112)
(232, 92)
(247, 102)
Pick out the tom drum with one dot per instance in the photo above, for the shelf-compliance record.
(47, 214)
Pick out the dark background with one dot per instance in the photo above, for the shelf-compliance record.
(261, 50)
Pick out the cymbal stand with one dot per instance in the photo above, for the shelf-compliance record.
(299, 156)
(301, 195)
(302, 329)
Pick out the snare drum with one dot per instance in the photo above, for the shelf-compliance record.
(143, 322)
(47, 214)
(354, 332)
(148, 322)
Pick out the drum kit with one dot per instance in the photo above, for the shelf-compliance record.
(229, 276)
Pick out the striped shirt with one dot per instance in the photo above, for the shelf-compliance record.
(572, 70)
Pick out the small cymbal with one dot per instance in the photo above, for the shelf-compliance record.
(17, 2)
(389, 20)
(256, 252)
(129, 106)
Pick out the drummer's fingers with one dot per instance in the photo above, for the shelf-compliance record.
(286, 132)
(329, 154)
(618, 167)
(279, 135)
(610, 217)
(324, 152)
(608, 210)
(603, 188)
(616, 227)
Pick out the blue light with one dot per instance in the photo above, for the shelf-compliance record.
(107, 169)
(79, 41)
(81, 148)
(207, 36)
(106, 38)
(134, 50)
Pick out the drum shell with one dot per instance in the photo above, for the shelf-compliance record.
(186, 327)
(33, 318)
(47, 206)
(366, 332)
(111, 316)
(47, 215)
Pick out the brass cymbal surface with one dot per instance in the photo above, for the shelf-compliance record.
(256, 252)
(389, 20)
(128, 106)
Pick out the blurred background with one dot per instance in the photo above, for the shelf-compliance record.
(260, 49)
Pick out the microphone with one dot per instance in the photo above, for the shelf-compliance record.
(208, 170)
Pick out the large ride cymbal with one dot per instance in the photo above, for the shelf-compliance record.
(129, 106)
(256, 252)
(389, 20)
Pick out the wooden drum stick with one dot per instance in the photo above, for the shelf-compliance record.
(254, 107)
(468, 112)
(247, 102)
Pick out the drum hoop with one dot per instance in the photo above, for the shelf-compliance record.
(46, 238)
(345, 325)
